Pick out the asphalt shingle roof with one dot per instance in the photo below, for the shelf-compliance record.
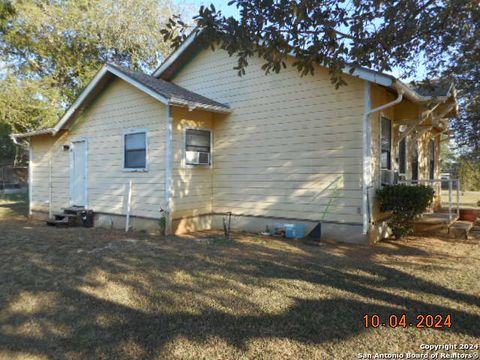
(170, 91)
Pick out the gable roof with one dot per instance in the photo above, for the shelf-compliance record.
(163, 91)
(175, 94)
(192, 44)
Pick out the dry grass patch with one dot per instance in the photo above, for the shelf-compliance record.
(93, 293)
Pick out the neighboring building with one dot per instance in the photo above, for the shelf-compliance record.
(200, 141)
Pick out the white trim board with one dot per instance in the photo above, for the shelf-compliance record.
(176, 53)
(367, 157)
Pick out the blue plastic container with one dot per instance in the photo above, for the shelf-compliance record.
(294, 231)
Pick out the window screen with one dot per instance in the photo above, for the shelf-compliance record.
(136, 151)
(197, 140)
(386, 144)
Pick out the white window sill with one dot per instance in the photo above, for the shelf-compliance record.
(135, 170)
(197, 166)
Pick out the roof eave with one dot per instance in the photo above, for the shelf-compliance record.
(92, 86)
(49, 131)
(191, 105)
(85, 93)
(172, 58)
(416, 97)
(137, 84)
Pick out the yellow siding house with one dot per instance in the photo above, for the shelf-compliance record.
(197, 141)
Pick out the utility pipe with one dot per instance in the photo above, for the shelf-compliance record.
(50, 189)
(367, 149)
(14, 139)
(129, 206)
(168, 169)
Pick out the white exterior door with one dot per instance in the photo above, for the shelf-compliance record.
(78, 174)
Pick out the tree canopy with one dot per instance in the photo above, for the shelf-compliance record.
(440, 36)
(50, 50)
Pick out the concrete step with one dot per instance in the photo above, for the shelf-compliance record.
(474, 233)
(73, 210)
(436, 218)
(433, 223)
(460, 229)
(61, 216)
(56, 222)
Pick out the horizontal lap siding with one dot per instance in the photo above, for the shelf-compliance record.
(118, 108)
(292, 145)
(45, 149)
(122, 107)
(192, 187)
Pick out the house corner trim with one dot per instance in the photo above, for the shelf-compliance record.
(367, 156)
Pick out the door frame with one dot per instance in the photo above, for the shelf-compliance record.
(72, 146)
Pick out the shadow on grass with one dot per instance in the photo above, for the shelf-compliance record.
(13, 206)
(56, 301)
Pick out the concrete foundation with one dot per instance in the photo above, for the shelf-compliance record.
(348, 233)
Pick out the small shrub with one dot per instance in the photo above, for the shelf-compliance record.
(406, 203)
(163, 222)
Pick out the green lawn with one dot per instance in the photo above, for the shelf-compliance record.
(467, 199)
(93, 293)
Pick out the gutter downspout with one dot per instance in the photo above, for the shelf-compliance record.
(367, 150)
(14, 139)
(168, 168)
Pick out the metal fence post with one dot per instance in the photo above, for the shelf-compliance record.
(450, 200)
(458, 198)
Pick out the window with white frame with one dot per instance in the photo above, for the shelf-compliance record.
(135, 150)
(198, 147)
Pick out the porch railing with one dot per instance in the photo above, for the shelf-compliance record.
(438, 185)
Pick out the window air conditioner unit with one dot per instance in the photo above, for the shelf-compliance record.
(389, 177)
(197, 158)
